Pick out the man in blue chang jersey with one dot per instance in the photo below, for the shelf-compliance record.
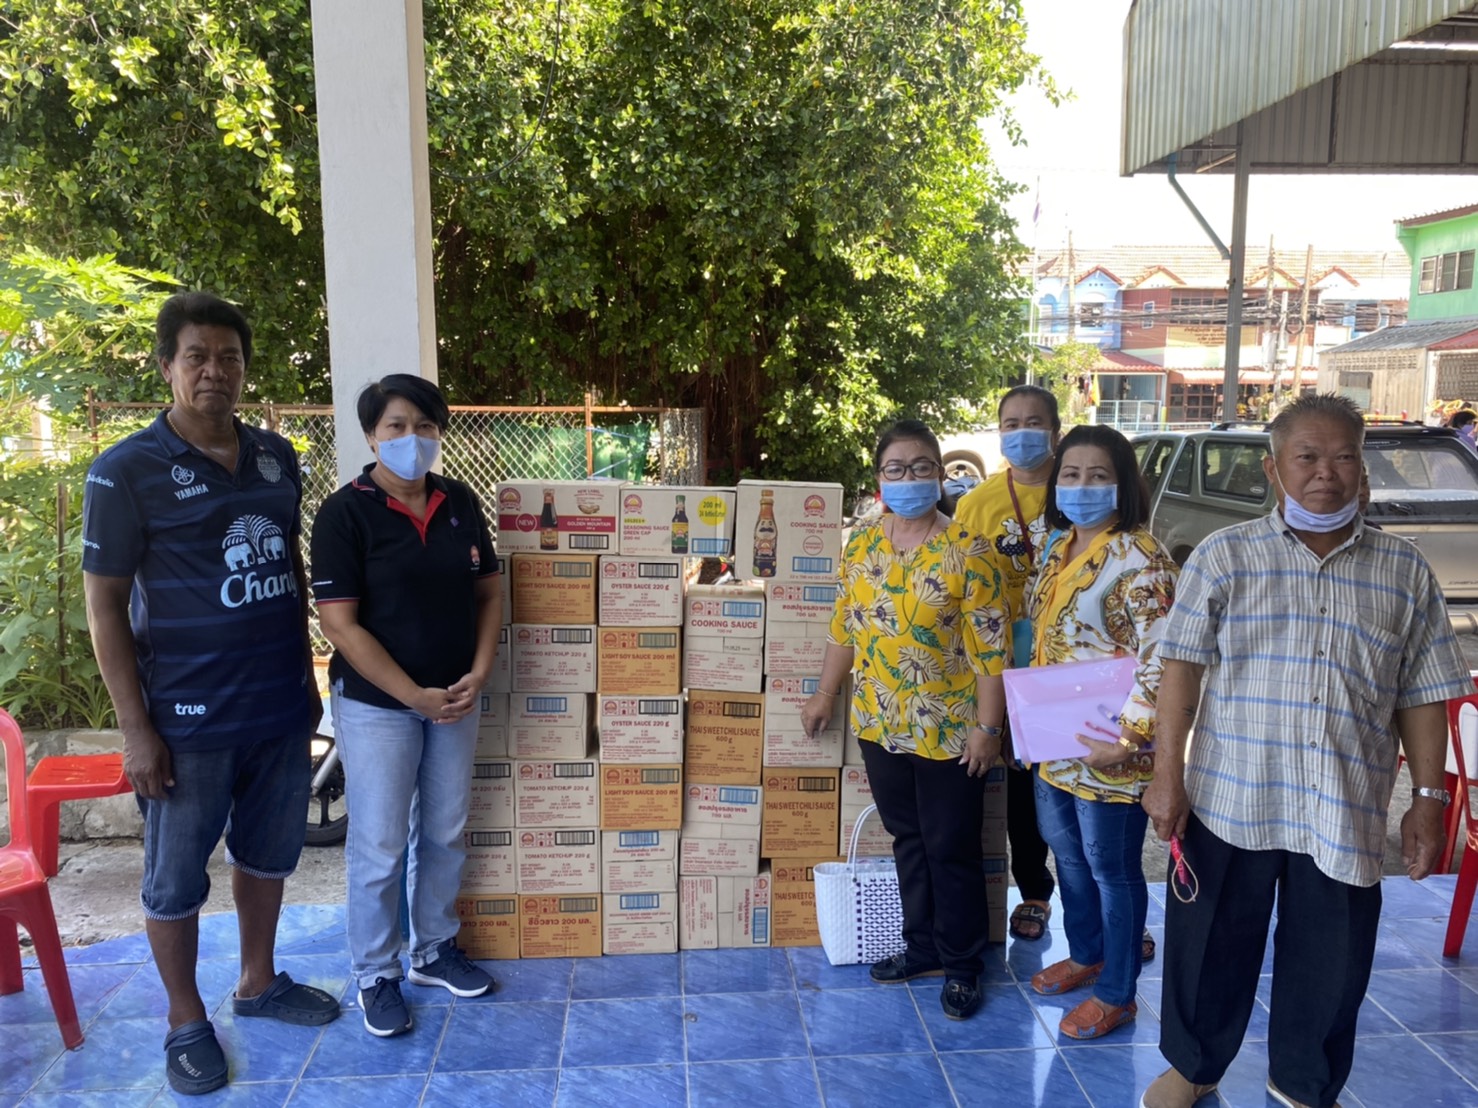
(197, 601)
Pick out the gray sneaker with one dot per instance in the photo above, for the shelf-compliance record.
(454, 972)
(385, 1013)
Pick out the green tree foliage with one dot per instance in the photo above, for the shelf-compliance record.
(782, 211)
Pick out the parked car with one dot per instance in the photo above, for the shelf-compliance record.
(1423, 487)
(975, 453)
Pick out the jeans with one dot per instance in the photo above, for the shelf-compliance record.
(1100, 878)
(408, 785)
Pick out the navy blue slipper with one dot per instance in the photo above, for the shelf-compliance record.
(289, 1002)
(193, 1060)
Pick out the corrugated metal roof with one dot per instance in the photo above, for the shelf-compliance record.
(1202, 267)
(1313, 81)
(1409, 336)
(1437, 217)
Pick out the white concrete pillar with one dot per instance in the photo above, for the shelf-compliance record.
(370, 74)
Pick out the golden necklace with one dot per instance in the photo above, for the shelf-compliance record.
(235, 438)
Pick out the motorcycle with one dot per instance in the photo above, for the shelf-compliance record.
(328, 815)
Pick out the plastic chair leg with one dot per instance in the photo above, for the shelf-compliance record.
(39, 919)
(11, 980)
(1462, 904)
(46, 821)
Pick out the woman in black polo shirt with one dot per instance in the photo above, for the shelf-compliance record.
(406, 582)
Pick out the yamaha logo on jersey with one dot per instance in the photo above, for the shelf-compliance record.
(182, 476)
(255, 541)
(269, 466)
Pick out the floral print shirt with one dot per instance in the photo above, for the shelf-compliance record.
(922, 629)
(1110, 601)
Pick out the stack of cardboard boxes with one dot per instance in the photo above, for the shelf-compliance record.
(701, 817)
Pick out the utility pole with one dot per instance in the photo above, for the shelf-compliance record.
(1303, 321)
(1270, 337)
(1234, 285)
(1072, 295)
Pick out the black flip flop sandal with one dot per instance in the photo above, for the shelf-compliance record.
(193, 1059)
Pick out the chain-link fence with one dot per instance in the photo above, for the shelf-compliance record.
(482, 446)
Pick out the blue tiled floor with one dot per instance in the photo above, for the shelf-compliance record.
(758, 1028)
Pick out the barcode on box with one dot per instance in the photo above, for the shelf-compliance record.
(638, 838)
(812, 565)
(661, 776)
(741, 710)
(667, 706)
(728, 794)
(743, 609)
(574, 838)
(635, 901)
(574, 769)
(489, 838)
(571, 634)
(815, 784)
(500, 907)
(546, 705)
(818, 594)
(490, 770)
(761, 925)
(571, 569)
(710, 546)
(657, 640)
(657, 569)
(589, 542)
(578, 903)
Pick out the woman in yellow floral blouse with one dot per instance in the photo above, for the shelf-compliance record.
(1102, 590)
(919, 624)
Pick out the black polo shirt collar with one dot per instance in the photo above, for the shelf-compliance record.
(436, 494)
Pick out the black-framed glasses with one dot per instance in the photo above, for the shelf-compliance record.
(923, 469)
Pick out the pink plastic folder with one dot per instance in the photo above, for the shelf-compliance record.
(1049, 706)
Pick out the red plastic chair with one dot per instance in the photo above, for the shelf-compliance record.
(60, 777)
(1467, 877)
(24, 899)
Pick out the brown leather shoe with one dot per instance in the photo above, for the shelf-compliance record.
(1170, 1090)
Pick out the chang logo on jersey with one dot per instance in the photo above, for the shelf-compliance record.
(255, 541)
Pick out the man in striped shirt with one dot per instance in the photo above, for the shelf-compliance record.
(1321, 642)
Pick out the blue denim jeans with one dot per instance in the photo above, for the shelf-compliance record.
(1100, 878)
(408, 785)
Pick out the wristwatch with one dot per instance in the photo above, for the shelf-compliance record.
(1433, 794)
(993, 732)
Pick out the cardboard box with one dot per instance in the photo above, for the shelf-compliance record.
(993, 835)
(490, 926)
(556, 794)
(796, 649)
(558, 517)
(793, 900)
(856, 790)
(554, 588)
(491, 804)
(788, 745)
(492, 742)
(786, 696)
(505, 586)
(641, 592)
(724, 664)
(801, 540)
(553, 926)
(549, 726)
(636, 797)
(799, 602)
(639, 923)
(553, 658)
(995, 896)
(724, 811)
(675, 519)
(851, 749)
(733, 857)
(638, 861)
(501, 679)
(726, 737)
(558, 861)
(802, 812)
(724, 912)
(490, 865)
(733, 611)
(874, 842)
(640, 661)
(640, 729)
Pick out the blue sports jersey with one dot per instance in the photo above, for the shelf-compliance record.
(216, 606)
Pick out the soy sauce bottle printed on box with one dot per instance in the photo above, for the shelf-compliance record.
(766, 537)
(680, 526)
(548, 523)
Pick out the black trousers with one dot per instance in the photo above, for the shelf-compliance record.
(1028, 848)
(1322, 952)
(933, 809)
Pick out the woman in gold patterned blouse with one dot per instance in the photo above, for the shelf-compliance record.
(920, 626)
(1104, 586)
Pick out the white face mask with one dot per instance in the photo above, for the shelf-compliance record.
(1300, 518)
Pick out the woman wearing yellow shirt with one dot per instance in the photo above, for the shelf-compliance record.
(920, 626)
(1104, 587)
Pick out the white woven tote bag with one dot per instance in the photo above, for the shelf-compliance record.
(858, 911)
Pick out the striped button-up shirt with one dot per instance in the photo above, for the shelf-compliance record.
(1307, 660)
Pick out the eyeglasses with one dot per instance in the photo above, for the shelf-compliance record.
(895, 471)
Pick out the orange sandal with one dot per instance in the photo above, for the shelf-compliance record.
(1064, 977)
(1093, 1019)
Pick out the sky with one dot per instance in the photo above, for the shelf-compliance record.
(1074, 151)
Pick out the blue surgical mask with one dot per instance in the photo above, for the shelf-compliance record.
(409, 457)
(1027, 447)
(1299, 518)
(1087, 505)
(910, 499)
